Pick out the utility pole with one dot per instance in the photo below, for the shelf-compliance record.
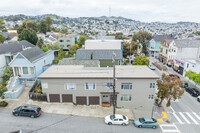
(114, 100)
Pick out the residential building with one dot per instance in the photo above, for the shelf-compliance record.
(135, 86)
(27, 66)
(68, 40)
(153, 45)
(185, 50)
(9, 50)
(164, 52)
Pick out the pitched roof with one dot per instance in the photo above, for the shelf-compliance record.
(186, 43)
(14, 47)
(83, 54)
(159, 38)
(33, 54)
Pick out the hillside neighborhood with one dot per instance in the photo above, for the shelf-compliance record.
(124, 71)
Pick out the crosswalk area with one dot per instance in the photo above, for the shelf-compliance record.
(185, 118)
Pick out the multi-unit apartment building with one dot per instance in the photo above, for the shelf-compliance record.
(66, 41)
(135, 85)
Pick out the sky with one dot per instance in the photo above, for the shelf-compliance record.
(142, 10)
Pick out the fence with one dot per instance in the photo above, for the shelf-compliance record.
(36, 96)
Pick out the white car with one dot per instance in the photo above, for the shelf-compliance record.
(116, 119)
(152, 67)
(198, 98)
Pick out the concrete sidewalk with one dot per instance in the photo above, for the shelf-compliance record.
(68, 108)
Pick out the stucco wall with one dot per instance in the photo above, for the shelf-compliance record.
(140, 90)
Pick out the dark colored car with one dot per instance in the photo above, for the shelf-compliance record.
(194, 92)
(27, 110)
(185, 84)
(174, 75)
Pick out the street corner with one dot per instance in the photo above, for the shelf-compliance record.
(163, 118)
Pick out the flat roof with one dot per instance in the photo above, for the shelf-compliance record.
(79, 71)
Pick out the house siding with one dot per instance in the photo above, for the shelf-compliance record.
(140, 90)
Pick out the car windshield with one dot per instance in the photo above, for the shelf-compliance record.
(141, 120)
(124, 117)
(154, 120)
(112, 117)
(38, 109)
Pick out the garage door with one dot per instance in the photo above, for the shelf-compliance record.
(94, 100)
(81, 100)
(54, 97)
(67, 98)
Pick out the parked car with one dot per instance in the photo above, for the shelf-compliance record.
(146, 122)
(152, 67)
(27, 110)
(174, 75)
(116, 119)
(185, 84)
(194, 92)
(198, 98)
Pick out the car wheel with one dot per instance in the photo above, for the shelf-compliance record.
(198, 100)
(32, 116)
(109, 123)
(16, 114)
(140, 126)
(124, 124)
(154, 127)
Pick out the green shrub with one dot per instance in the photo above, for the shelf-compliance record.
(3, 104)
(38, 90)
(55, 61)
(7, 73)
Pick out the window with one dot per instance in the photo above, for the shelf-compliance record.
(61, 40)
(25, 70)
(126, 86)
(151, 97)
(125, 97)
(109, 85)
(62, 46)
(90, 86)
(70, 86)
(152, 85)
(68, 41)
(32, 70)
(44, 85)
(166, 51)
(187, 65)
(105, 95)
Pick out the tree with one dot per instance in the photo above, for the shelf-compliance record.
(28, 35)
(169, 88)
(56, 46)
(81, 40)
(7, 73)
(40, 42)
(129, 48)
(46, 47)
(49, 22)
(43, 27)
(2, 38)
(193, 76)
(142, 37)
(72, 50)
(28, 24)
(64, 31)
(2, 26)
(141, 60)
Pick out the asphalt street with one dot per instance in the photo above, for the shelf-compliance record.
(186, 111)
(53, 123)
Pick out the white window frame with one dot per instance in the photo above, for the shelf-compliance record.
(129, 98)
(129, 84)
(151, 97)
(23, 70)
(33, 71)
(93, 84)
(44, 85)
(67, 86)
(152, 85)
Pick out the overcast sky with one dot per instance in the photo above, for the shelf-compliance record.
(142, 10)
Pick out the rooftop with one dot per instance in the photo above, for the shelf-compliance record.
(186, 43)
(15, 47)
(61, 71)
